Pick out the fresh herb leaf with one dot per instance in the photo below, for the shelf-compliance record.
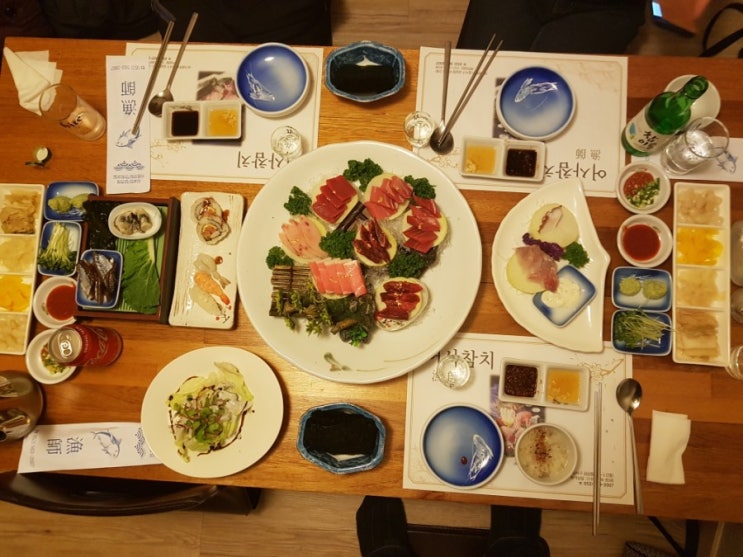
(363, 171)
(422, 187)
(576, 255)
(277, 256)
(299, 203)
(140, 280)
(338, 243)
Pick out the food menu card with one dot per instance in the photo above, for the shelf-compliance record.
(486, 353)
(207, 72)
(589, 148)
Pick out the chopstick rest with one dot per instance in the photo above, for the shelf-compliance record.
(669, 435)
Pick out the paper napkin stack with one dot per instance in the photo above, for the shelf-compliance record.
(669, 434)
(32, 73)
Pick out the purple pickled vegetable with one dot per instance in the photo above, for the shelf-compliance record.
(555, 251)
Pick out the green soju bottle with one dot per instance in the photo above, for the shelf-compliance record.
(667, 113)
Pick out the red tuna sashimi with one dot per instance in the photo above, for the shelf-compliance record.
(334, 198)
(339, 277)
(388, 198)
(300, 238)
(372, 243)
(423, 226)
(427, 204)
(400, 298)
(538, 266)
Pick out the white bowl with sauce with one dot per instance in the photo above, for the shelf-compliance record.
(135, 220)
(644, 241)
(52, 291)
(546, 454)
(39, 363)
(210, 120)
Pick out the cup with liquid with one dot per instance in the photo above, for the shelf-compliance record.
(418, 128)
(453, 371)
(61, 104)
(286, 142)
(703, 141)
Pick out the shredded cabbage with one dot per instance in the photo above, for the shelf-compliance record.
(207, 413)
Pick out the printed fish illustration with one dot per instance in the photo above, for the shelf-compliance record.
(127, 139)
(728, 162)
(527, 89)
(258, 91)
(110, 444)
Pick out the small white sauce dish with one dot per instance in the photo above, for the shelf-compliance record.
(642, 224)
(69, 190)
(40, 302)
(134, 221)
(634, 205)
(546, 454)
(503, 159)
(202, 120)
(574, 293)
(74, 231)
(40, 364)
(88, 258)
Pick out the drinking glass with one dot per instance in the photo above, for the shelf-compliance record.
(418, 128)
(704, 140)
(453, 371)
(286, 142)
(735, 365)
(60, 103)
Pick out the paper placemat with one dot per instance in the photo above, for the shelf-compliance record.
(247, 160)
(588, 149)
(426, 395)
(727, 168)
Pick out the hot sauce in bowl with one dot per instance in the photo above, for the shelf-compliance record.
(644, 241)
(54, 302)
(60, 303)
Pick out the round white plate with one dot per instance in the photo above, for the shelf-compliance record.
(452, 282)
(260, 427)
(39, 302)
(152, 212)
(585, 332)
(36, 366)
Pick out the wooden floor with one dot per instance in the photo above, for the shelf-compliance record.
(324, 525)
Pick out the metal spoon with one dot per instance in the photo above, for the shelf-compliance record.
(629, 393)
(156, 103)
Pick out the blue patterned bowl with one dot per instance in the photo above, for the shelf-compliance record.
(273, 80)
(365, 71)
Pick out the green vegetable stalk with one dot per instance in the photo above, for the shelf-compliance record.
(636, 329)
(57, 256)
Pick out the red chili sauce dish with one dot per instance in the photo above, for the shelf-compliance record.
(60, 303)
(641, 241)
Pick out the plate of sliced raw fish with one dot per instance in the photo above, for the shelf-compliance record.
(205, 292)
(585, 332)
(435, 311)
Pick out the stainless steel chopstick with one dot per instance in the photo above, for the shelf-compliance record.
(597, 402)
(153, 76)
(447, 64)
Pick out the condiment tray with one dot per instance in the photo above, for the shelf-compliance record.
(503, 159)
(550, 382)
(209, 120)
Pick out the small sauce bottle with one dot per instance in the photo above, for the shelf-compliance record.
(82, 345)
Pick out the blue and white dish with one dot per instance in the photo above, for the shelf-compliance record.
(652, 348)
(555, 307)
(462, 446)
(361, 58)
(116, 262)
(535, 103)
(640, 300)
(273, 80)
(70, 190)
(342, 464)
(75, 234)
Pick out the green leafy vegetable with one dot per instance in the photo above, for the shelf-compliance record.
(636, 329)
(57, 255)
(576, 255)
(410, 264)
(363, 171)
(277, 256)
(140, 280)
(338, 243)
(422, 187)
(299, 203)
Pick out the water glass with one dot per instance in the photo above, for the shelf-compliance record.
(704, 140)
(60, 103)
(453, 371)
(286, 142)
(418, 128)
(735, 365)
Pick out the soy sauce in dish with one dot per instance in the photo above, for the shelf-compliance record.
(184, 123)
(521, 162)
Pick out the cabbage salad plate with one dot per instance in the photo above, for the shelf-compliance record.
(452, 281)
(584, 333)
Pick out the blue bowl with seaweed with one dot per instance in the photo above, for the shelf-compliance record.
(365, 71)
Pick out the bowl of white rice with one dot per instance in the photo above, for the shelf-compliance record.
(546, 454)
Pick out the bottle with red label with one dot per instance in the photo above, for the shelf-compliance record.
(83, 345)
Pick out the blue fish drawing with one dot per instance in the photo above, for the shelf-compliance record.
(527, 89)
(257, 90)
(110, 444)
(127, 139)
(728, 162)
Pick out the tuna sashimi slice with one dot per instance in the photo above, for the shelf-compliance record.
(339, 277)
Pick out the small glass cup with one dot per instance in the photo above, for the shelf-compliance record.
(453, 371)
(735, 365)
(63, 105)
(418, 128)
(286, 142)
(703, 141)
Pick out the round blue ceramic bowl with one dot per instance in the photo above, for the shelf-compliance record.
(273, 80)
(365, 71)
(535, 103)
(462, 446)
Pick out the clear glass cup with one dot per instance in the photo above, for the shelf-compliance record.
(703, 141)
(453, 371)
(286, 142)
(735, 365)
(418, 128)
(61, 104)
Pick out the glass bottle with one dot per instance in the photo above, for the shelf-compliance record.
(661, 118)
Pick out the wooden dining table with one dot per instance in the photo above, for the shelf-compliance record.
(713, 459)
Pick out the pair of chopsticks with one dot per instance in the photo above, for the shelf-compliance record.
(597, 405)
(472, 84)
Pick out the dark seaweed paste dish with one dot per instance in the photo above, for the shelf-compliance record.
(520, 380)
(521, 162)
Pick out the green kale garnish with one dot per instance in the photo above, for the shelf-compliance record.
(299, 202)
(576, 255)
(408, 264)
(338, 243)
(277, 256)
(362, 171)
(422, 187)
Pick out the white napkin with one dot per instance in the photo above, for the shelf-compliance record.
(83, 446)
(669, 434)
(32, 73)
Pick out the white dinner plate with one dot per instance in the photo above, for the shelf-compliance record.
(260, 427)
(452, 282)
(585, 332)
